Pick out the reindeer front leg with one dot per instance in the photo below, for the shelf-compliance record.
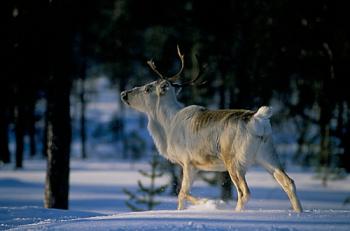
(188, 173)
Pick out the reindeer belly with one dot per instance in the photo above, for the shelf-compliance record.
(209, 163)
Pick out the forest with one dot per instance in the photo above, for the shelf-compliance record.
(293, 55)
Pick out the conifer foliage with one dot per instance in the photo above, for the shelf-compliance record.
(144, 199)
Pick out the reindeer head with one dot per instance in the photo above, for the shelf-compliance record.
(145, 98)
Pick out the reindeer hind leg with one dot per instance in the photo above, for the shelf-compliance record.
(267, 157)
(289, 187)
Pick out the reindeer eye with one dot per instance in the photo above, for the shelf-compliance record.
(165, 85)
(147, 89)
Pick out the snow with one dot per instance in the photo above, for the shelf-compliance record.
(199, 220)
(98, 203)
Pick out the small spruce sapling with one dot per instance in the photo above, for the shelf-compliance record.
(147, 194)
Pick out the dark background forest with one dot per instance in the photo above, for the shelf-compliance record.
(294, 54)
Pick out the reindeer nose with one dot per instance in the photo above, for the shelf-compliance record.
(124, 96)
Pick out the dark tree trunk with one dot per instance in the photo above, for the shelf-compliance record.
(325, 150)
(82, 115)
(80, 42)
(224, 177)
(19, 130)
(226, 186)
(44, 148)
(31, 126)
(60, 51)
(58, 143)
(4, 138)
(343, 133)
(175, 181)
(326, 109)
(345, 157)
(4, 121)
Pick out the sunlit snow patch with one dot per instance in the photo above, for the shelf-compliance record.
(207, 204)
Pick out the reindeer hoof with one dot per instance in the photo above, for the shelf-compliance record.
(201, 201)
(180, 207)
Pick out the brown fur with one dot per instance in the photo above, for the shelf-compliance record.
(206, 117)
(209, 162)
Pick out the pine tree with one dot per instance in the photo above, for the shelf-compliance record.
(148, 194)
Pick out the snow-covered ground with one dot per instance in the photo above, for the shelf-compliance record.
(97, 202)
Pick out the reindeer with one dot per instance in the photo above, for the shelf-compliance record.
(198, 138)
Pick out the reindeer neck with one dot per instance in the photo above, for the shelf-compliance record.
(165, 112)
(159, 123)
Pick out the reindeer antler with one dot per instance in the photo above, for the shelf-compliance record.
(193, 81)
(175, 77)
(154, 68)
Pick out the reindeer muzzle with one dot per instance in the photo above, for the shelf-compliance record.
(124, 97)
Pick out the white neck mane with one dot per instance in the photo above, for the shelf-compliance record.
(159, 123)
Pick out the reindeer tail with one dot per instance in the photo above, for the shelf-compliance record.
(259, 124)
(264, 112)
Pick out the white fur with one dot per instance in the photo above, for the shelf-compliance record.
(220, 146)
(260, 124)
